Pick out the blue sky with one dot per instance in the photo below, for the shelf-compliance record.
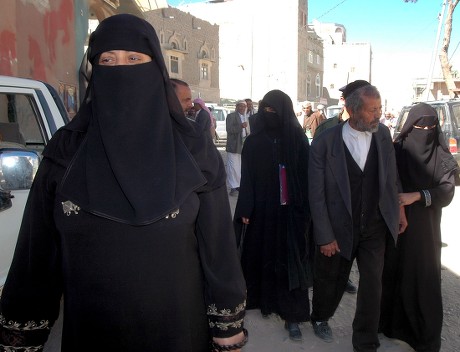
(389, 25)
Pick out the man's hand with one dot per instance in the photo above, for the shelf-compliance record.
(409, 198)
(330, 249)
(245, 220)
(402, 219)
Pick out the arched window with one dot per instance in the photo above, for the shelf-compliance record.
(318, 85)
(308, 85)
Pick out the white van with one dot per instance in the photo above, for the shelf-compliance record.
(30, 112)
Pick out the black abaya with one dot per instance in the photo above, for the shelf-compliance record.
(412, 301)
(128, 219)
(275, 254)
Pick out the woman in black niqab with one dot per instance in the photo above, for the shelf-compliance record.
(128, 219)
(273, 203)
(137, 138)
(411, 298)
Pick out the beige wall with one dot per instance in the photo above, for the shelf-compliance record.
(192, 37)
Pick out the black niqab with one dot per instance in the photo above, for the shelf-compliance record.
(423, 156)
(139, 158)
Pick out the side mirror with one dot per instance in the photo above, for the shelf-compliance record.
(17, 168)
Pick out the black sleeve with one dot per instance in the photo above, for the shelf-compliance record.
(31, 296)
(225, 288)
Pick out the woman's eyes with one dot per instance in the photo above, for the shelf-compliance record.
(107, 60)
(124, 58)
(135, 58)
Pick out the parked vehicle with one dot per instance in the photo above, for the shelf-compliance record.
(220, 114)
(333, 110)
(30, 113)
(449, 119)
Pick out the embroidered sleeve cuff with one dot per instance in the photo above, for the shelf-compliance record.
(226, 322)
(30, 336)
(426, 195)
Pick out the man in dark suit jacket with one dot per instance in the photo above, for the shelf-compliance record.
(353, 193)
(237, 130)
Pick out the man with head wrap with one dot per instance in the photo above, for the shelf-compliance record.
(273, 204)
(128, 219)
(412, 299)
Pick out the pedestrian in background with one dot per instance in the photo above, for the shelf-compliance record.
(412, 299)
(237, 130)
(128, 219)
(250, 107)
(389, 120)
(273, 204)
(312, 122)
(307, 111)
(204, 117)
(184, 94)
(353, 193)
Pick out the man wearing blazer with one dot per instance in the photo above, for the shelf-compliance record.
(353, 193)
(237, 130)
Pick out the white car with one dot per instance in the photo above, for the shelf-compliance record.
(333, 110)
(30, 112)
(220, 114)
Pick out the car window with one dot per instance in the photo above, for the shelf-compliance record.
(456, 115)
(18, 120)
(218, 114)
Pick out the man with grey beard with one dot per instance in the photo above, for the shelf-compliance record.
(353, 195)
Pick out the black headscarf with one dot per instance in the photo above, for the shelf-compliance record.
(422, 154)
(139, 158)
(284, 123)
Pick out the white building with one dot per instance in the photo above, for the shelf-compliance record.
(260, 43)
(343, 62)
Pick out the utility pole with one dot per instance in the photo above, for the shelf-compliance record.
(435, 50)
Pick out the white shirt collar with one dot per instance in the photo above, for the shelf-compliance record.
(357, 142)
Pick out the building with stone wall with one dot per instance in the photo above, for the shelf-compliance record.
(310, 71)
(190, 49)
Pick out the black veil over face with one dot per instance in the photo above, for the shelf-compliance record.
(291, 135)
(422, 154)
(139, 158)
